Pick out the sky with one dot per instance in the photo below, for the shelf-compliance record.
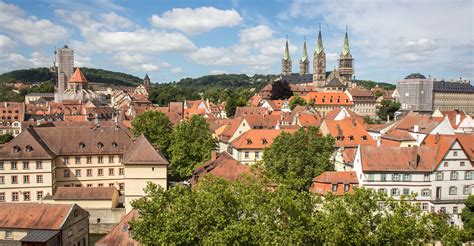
(173, 39)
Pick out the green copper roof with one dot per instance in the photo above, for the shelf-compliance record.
(346, 50)
(304, 57)
(286, 56)
(320, 48)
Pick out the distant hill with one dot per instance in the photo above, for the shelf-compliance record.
(369, 84)
(36, 75)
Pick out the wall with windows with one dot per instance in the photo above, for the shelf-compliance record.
(248, 156)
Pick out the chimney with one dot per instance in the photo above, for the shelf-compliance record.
(415, 157)
(416, 128)
(458, 118)
(213, 155)
(437, 138)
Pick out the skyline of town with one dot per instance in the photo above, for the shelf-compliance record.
(239, 36)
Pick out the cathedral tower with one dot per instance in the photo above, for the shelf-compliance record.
(319, 63)
(304, 62)
(346, 69)
(286, 61)
(147, 82)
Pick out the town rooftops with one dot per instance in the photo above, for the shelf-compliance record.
(460, 87)
(257, 138)
(328, 98)
(348, 132)
(27, 145)
(397, 159)
(398, 135)
(337, 183)
(418, 123)
(224, 166)
(34, 215)
(85, 193)
(241, 111)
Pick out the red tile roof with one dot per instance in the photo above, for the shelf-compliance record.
(34, 215)
(398, 159)
(224, 166)
(328, 98)
(241, 111)
(78, 77)
(425, 123)
(120, 234)
(398, 135)
(257, 138)
(85, 193)
(322, 184)
(349, 132)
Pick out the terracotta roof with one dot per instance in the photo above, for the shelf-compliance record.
(143, 152)
(275, 104)
(397, 159)
(257, 138)
(425, 123)
(262, 121)
(26, 146)
(442, 143)
(120, 234)
(34, 215)
(224, 166)
(78, 77)
(323, 183)
(241, 111)
(452, 116)
(348, 132)
(231, 128)
(357, 92)
(328, 98)
(85, 193)
(307, 120)
(467, 142)
(348, 155)
(254, 101)
(346, 113)
(398, 135)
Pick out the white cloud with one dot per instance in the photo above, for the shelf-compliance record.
(113, 19)
(420, 45)
(198, 20)
(255, 34)
(6, 43)
(146, 67)
(30, 30)
(176, 70)
(16, 61)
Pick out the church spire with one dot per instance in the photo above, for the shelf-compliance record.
(346, 50)
(320, 42)
(286, 61)
(304, 62)
(286, 56)
(304, 57)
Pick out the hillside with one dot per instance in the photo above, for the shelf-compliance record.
(36, 75)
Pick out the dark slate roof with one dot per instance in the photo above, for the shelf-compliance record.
(443, 86)
(296, 78)
(335, 83)
(39, 236)
(415, 76)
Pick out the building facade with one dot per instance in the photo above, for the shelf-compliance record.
(11, 116)
(65, 58)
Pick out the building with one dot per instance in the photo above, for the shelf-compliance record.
(304, 61)
(223, 166)
(43, 224)
(11, 116)
(43, 158)
(421, 94)
(33, 98)
(324, 102)
(337, 183)
(65, 57)
(286, 61)
(365, 102)
(121, 234)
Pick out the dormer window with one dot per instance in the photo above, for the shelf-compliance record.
(351, 137)
(82, 145)
(249, 141)
(100, 145)
(29, 148)
(114, 145)
(264, 141)
(364, 137)
(16, 149)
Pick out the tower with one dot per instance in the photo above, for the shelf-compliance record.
(346, 70)
(304, 62)
(319, 63)
(286, 61)
(78, 81)
(146, 82)
(65, 58)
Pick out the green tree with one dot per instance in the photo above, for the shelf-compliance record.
(467, 216)
(300, 156)
(281, 90)
(191, 145)
(155, 126)
(5, 138)
(387, 107)
(296, 100)
(233, 101)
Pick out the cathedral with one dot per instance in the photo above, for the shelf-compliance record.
(336, 80)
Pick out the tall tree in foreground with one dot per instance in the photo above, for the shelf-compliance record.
(155, 126)
(191, 145)
(247, 212)
(281, 90)
(299, 157)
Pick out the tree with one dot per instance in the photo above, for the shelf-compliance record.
(281, 90)
(296, 100)
(191, 145)
(5, 138)
(300, 156)
(155, 126)
(387, 107)
(467, 216)
(233, 101)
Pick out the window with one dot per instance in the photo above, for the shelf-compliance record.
(462, 163)
(395, 192)
(396, 177)
(334, 187)
(257, 154)
(427, 177)
(66, 173)
(442, 210)
(466, 190)
(445, 164)
(89, 172)
(468, 175)
(111, 159)
(8, 235)
(111, 172)
(89, 185)
(426, 192)
(121, 171)
(407, 177)
(82, 145)
(100, 172)
(383, 177)
(78, 172)
(453, 190)
(114, 145)
(26, 196)
(382, 190)
(1, 165)
(39, 195)
(100, 145)
(120, 158)
(39, 178)
(406, 191)
(78, 160)
(39, 165)
(14, 196)
(2, 179)
(89, 160)
(66, 160)
(371, 177)
(454, 175)
(122, 186)
(455, 210)
(424, 206)
(439, 176)
(78, 185)
(26, 165)
(246, 154)
(2, 196)
(100, 185)
(346, 187)
(14, 179)
(99, 159)
(26, 179)
(455, 153)
(111, 185)
(13, 163)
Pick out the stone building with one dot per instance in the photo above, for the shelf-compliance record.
(65, 57)
(304, 62)
(286, 61)
(365, 103)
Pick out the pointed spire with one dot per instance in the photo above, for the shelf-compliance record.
(320, 48)
(78, 77)
(346, 50)
(304, 57)
(286, 56)
(146, 77)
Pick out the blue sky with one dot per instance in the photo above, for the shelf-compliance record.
(170, 40)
